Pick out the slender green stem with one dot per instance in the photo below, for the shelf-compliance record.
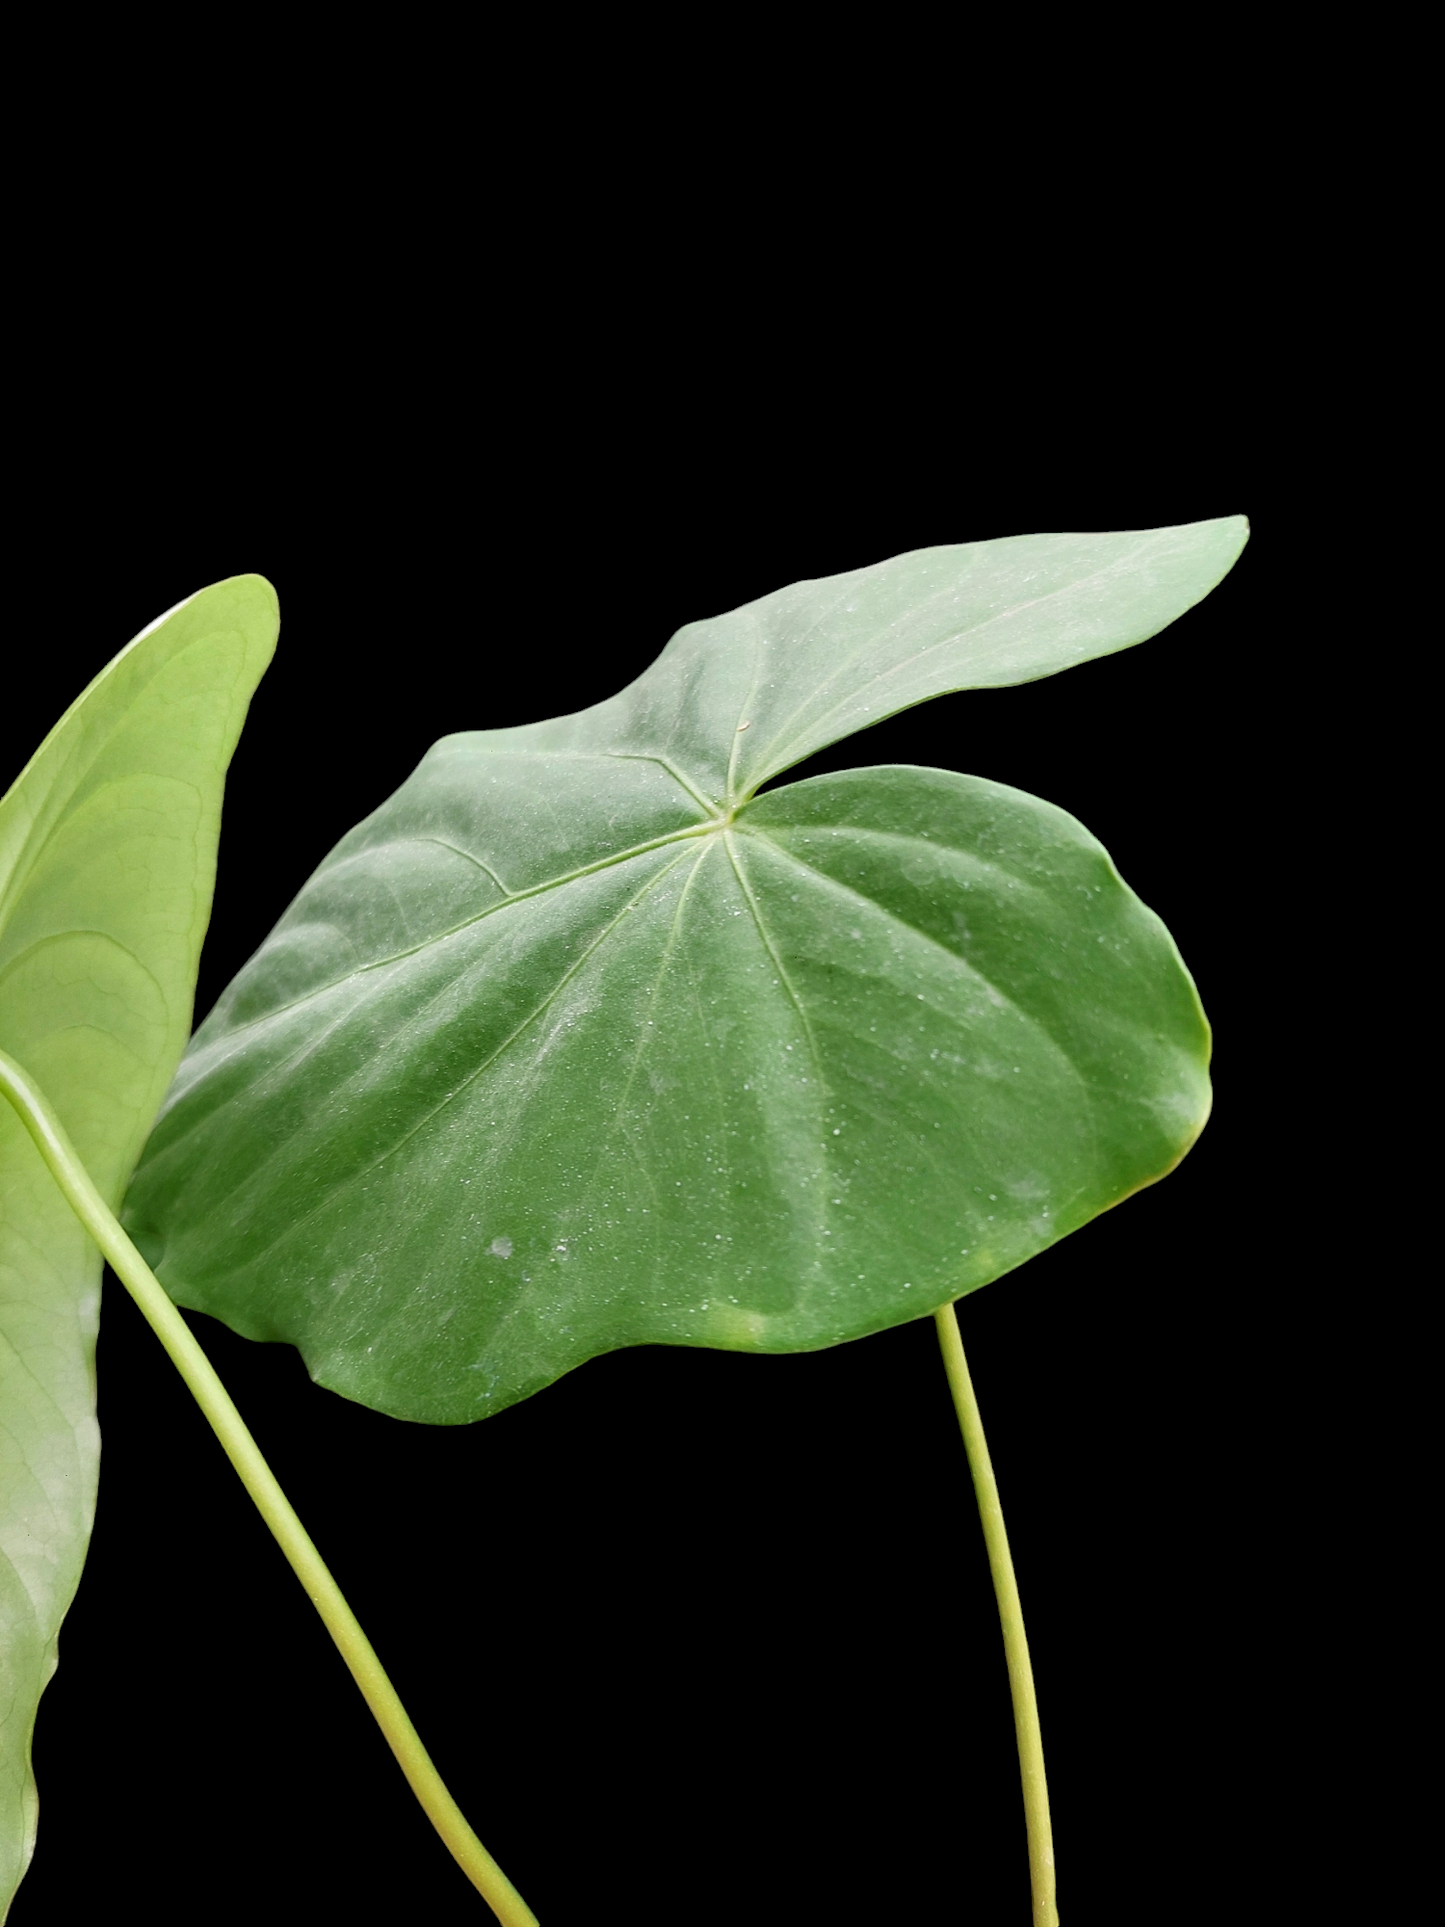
(275, 1508)
(1010, 1612)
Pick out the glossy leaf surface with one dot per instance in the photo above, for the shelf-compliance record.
(578, 1042)
(107, 860)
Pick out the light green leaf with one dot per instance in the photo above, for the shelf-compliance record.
(579, 1043)
(107, 860)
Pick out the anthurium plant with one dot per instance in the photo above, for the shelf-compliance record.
(596, 1034)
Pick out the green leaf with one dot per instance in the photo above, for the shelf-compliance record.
(107, 859)
(578, 1043)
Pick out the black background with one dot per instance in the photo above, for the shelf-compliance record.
(695, 1637)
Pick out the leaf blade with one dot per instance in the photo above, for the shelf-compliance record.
(577, 1042)
(107, 857)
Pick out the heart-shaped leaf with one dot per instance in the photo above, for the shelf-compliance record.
(107, 859)
(579, 1042)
